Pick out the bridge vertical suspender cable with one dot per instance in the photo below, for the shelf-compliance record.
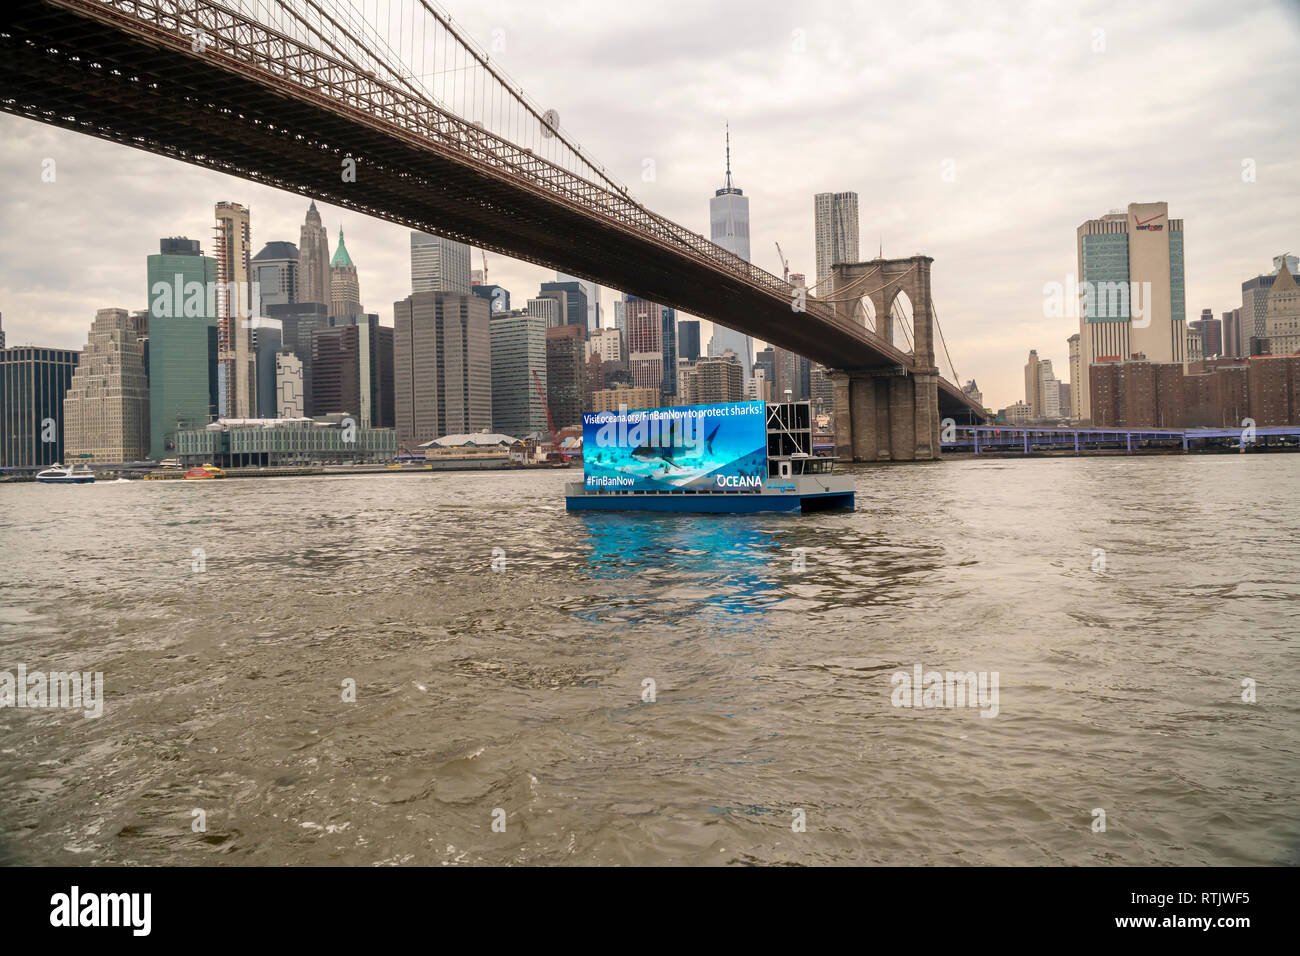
(956, 379)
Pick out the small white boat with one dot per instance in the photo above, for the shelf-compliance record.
(58, 474)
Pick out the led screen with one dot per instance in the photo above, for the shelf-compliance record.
(699, 447)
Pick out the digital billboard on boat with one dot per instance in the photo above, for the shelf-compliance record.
(701, 447)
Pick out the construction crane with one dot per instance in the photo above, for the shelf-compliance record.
(784, 262)
(541, 393)
(483, 253)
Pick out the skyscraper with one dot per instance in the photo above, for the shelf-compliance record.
(313, 260)
(765, 361)
(592, 292)
(835, 218)
(1211, 334)
(645, 329)
(268, 342)
(518, 350)
(106, 409)
(1194, 341)
(289, 386)
(608, 344)
(1282, 318)
(439, 264)
(236, 373)
(567, 382)
(668, 347)
(497, 297)
(33, 382)
(183, 354)
(297, 321)
(1073, 409)
(547, 308)
(442, 366)
(820, 388)
(785, 375)
(1033, 385)
(275, 270)
(688, 339)
(1252, 325)
(713, 379)
(729, 228)
(345, 287)
(1042, 389)
(1049, 392)
(352, 370)
(572, 297)
(1131, 266)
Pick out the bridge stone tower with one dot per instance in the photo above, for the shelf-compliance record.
(889, 413)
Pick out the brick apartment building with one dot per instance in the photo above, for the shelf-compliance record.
(1214, 393)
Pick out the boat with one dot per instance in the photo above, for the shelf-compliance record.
(171, 468)
(58, 474)
(722, 458)
(201, 472)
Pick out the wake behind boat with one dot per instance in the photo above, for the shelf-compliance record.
(58, 474)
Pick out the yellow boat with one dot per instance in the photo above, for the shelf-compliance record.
(204, 471)
(166, 472)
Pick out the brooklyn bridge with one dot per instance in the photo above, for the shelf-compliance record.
(289, 93)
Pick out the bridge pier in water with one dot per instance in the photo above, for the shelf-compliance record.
(887, 414)
(890, 413)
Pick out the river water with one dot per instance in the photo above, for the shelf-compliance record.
(1121, 603)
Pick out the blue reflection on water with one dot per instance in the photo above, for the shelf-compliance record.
(727, 563)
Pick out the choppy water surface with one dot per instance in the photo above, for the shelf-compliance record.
(522, 689)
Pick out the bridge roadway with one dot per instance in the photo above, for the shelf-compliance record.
(264, 107)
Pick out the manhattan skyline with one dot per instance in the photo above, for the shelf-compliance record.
(981, 138)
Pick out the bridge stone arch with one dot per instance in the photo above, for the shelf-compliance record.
(896, 312)
(890, 413)
(881, 280)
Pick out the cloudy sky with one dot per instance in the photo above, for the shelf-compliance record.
(1043, 115)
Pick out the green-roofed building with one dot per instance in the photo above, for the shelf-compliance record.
(345, 289)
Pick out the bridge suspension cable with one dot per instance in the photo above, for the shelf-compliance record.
(848, 292)
(851, 293)
(904, 322)
(417, 46)
(956, 379)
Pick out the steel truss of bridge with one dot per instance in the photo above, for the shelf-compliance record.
(982, 439)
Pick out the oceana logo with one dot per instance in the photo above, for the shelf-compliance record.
(739, 481)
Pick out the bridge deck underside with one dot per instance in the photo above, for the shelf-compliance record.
(217, 113)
